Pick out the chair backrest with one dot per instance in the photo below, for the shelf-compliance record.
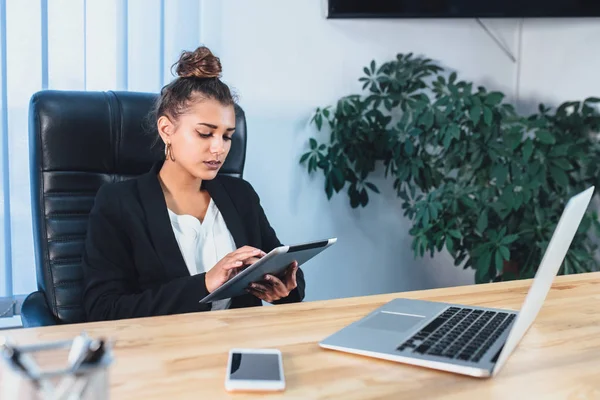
(79, 141)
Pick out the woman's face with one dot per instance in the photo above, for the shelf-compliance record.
(200, 138)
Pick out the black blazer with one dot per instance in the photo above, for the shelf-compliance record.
(132, 264)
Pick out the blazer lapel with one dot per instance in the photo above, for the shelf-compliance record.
(159, 224)
(233, 221)
(228, 211)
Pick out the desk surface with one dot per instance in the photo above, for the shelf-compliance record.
(184, 356)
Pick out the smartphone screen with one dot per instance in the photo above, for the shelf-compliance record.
(254, 366)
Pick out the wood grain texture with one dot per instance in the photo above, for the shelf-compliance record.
(185, 356)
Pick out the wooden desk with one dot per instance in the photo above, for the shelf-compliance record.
(184, 356)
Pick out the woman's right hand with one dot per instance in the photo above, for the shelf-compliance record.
(230, 265)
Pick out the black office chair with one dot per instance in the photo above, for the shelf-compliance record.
(79, 141)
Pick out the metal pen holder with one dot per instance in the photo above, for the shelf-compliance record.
(85, 377)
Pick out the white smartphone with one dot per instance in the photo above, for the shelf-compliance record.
(254, 370)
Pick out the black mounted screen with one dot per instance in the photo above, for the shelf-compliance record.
(462, 8)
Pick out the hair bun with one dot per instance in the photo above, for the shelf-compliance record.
(200, 63)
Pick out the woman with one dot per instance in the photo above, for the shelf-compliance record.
(159, 243)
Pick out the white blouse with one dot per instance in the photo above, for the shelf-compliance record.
(203, 244)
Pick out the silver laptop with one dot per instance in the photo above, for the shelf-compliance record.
(474, 341)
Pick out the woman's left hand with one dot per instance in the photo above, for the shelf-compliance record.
(273, 288)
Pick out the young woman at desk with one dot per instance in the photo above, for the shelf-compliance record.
(159, 243)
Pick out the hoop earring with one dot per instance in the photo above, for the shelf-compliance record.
(169, 152)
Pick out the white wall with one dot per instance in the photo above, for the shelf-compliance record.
(284, 58)
(560, 61)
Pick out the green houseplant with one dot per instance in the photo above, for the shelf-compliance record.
(472, 175)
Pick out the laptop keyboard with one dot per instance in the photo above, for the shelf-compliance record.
(460, 333)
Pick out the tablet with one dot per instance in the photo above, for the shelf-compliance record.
(274, 263)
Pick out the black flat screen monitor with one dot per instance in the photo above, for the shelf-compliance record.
(462, 8)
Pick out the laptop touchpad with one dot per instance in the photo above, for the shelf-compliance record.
(388, 321)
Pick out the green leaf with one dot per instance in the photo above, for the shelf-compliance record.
(518, 200)
(507, 199)
(304, 157)
(539, 215)
(527, 150)
(587, 110)
(323, 162)
(505, 252)
(545, 136)
(427, 119)
(592, 100)
(450, 244)
(426, 217)
(408, 147)
(354, 199)
(508, 239)
(493, 98)
(337, 179)
(500, 173)
(372, 187)
(416, 243)
(467, 201)
(482, 221)
(453, 91)
(487, 116)
(452, 78)
(433, 211)
(560, 150)
(498, 261)
(454, 130)
(312, 164)
(483, 267)
(513, 139)
(328, 187)
(366, 70)
(502, 231)
(559, 176)
(364, 197)
(562, 163)
(388, 104)
(319, 121)
(475, 114)
(317, 111)
(447, 140)
(455, 233)
(313, 144)
(480, 250)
